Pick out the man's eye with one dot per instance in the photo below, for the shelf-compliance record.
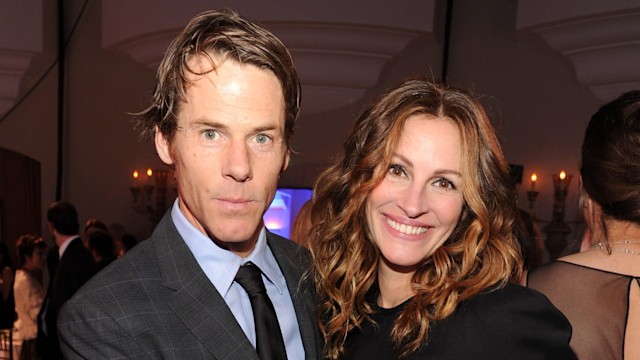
(262, 139)
(396, 170)
(209, 134)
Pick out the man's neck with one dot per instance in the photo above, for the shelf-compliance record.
(60, 239)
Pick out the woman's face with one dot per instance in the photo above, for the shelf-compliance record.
(37, 260)
(412, 212)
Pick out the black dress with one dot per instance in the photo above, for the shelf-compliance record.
(596, 302)
(7, 310)
(508, 323)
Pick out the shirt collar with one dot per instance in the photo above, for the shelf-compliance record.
(65, 245)
(221, 265)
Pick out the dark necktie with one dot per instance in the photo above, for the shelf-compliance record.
(269, 343)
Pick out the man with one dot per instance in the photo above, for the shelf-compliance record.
(74, 267)
(222, 116)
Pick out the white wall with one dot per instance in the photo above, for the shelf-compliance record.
(537, 105)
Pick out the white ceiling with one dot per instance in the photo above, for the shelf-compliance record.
(601, 39)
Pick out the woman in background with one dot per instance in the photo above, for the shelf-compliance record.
(413, 242)
(599, 289)
(302, 225)
(7, 310)
(29, 293)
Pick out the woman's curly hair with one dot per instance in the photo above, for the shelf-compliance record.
(481, 253)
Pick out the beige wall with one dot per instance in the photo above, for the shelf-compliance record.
(531, 93)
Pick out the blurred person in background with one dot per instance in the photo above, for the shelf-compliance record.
(29, 293)
(598, 289)
(7, 310)
(102, 247)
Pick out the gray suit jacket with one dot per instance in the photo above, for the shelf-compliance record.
(157, 303)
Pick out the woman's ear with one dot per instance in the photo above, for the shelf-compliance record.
(163, 147)
(590, 211)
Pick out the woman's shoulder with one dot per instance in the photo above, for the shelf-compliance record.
(509, 309)
(508, 322)
(508, 299)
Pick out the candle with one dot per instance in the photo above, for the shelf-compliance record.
(563, 180)
(534, 178)
(136, 178)
(149, 174)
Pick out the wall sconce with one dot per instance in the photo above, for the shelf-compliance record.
(557, 229)
(151, 193)
(532, 194)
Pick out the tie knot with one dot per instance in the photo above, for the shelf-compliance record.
(250, 278)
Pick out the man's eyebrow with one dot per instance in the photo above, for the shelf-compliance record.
(206, 122)
(209, 123)
(265, 128)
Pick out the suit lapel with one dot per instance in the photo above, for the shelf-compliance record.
(195, 300)
(293, 265)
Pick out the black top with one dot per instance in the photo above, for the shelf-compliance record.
(508, 323)
(7, 310)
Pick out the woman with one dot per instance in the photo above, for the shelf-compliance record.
(302, 225)
(7, 311)
(413, 244)
(599, 289)
(102, 247)
(29, 293)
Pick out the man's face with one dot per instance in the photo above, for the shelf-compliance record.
(228, 151)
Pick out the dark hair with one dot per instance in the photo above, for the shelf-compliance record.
(302, 225)
(218, 34)
(94, 224)
(5, 259)
(526, 235)
(611, 158)
(128, 241)
(26, 245)
(101, 242)
(64, 218)
(480, 253)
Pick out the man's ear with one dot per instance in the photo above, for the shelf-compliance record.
(287, 156)
(163, 147)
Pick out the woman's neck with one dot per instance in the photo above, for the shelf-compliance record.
(395, 286)
(28, 268)
(617, 231)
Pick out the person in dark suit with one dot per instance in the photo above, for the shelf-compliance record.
(100, 244)
(222, 117)
(413, 239)
(74, 267)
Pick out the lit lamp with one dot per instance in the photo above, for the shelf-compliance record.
(135, 189)
(557, 230)
(156, 206)
(532, 194)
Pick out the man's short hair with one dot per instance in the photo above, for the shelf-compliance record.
(101, 242)
(218, 35)
(64, 218)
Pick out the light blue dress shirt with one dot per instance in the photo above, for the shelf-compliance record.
(221, 266)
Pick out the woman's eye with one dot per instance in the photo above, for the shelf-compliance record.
(445, 184)
(209, 134)
(396, 170)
